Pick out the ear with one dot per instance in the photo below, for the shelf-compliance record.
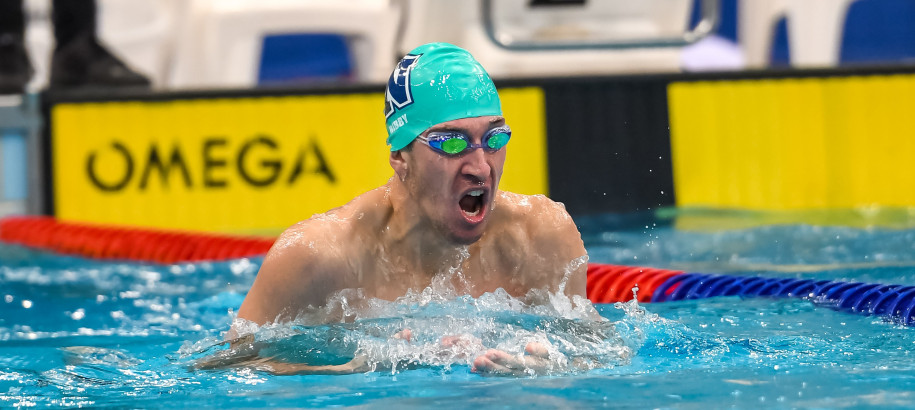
(399, 160)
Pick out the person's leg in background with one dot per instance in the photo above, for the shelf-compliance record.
(15, 69)
(79, 59)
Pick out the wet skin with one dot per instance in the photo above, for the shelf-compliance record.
(419, 228)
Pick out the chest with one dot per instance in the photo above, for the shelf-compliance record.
(479, 271)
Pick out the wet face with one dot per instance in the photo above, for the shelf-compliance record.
(455, 193)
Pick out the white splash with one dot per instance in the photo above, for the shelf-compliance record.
(436, 328)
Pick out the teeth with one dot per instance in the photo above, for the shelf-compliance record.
(476, 192)
(474, 213)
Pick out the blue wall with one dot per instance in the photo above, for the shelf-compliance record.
(13, 166)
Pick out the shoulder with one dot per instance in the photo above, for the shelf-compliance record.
(324, 240)
(555, 256)
(541, 226)
(308, 263)
(327, 240)
(337, 226)
(537, 213)
(296, 274)
(307, 239)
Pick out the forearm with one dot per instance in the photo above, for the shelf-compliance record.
(357, 365)
(244, 353)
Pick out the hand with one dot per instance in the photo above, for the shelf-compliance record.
(498, 362)
(405, 334)
(460, 346)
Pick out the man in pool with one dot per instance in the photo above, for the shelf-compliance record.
(442, 212)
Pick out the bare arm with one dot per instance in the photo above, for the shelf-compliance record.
(245, 352)
(559, 260)
(301, 270)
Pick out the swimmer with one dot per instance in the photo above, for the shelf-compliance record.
(440, 217)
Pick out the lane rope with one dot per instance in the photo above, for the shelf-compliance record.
(610, 283)
(127, 243)
(606, 283)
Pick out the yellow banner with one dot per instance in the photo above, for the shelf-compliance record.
(793, 144)
(244, 165)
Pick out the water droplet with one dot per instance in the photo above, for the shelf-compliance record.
(27, 304)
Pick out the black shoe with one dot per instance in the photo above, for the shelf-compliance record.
(15, 69)
(83, 62)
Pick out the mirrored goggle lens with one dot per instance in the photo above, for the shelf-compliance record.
(453, 145)
(498, 140)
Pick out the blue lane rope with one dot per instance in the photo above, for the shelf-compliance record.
(894, 302)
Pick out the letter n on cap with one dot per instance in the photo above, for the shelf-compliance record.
(398, 94)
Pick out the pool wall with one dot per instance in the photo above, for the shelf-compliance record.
(805, 139)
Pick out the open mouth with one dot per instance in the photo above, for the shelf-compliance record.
(472, 203)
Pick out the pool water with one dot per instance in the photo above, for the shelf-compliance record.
(82, 333)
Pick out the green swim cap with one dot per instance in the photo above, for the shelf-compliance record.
(432, 84)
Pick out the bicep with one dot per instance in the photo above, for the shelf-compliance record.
(561, 241)
(574, 260)
(269, 298)
(291, 278)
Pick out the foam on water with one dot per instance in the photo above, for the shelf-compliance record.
(445, 330)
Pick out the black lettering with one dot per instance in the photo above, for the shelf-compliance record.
(128, 171)
(272, 164)
(164, 169)
(299, 167)
(209, 163)
(323, 167)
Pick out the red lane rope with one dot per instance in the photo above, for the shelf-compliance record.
(106, 242)
(606, 283)
(614, 283)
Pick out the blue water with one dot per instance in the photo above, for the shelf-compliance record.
(82, 333)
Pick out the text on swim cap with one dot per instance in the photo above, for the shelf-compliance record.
(397, 123)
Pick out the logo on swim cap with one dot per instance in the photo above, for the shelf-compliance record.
(398, 94)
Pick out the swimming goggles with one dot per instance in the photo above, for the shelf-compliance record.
(455, 143)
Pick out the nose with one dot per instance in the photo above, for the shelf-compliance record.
(476, 165)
